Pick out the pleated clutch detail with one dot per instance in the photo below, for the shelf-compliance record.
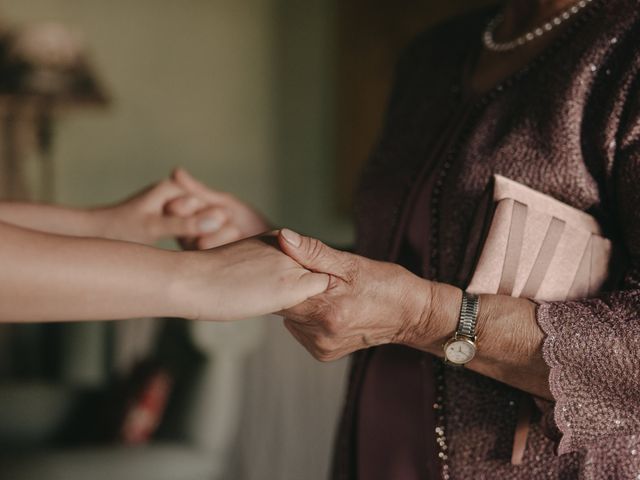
(531, 245)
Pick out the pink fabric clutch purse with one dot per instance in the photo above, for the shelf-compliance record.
(531, 245)
(524, 243)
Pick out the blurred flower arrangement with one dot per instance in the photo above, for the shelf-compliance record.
(44, 70)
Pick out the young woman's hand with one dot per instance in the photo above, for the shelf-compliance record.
(143, 218)
(223, 218)
(244, 279)
(49, 278)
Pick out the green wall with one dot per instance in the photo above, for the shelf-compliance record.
(239, 92)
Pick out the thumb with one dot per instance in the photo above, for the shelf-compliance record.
(185, 180)
(313, 254)
(205, 222)
(184, 206)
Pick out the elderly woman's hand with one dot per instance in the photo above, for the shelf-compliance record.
(367, 303)
(371, 303)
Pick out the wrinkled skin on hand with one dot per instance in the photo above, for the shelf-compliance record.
(367, 303)
(252, 277)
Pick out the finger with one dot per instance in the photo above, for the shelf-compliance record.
(299, 334)
(163, 192)
(173, 226)
(304, 313)
(315, 255)
(211, 220)
(319, 349)
(205, 222)
(184, 205)
(312, 284)
(186, 181)
(227, 234)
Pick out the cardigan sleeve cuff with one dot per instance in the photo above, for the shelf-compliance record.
(591, 348)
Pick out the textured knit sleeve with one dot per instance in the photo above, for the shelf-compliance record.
(592, 346)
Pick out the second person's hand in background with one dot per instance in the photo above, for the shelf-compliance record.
(221, 217)
(140, 218)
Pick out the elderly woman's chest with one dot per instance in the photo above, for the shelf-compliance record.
(456, 149)
(534, 144)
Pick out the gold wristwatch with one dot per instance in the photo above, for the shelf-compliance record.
(461, 348)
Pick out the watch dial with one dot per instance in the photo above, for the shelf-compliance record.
(460, 352)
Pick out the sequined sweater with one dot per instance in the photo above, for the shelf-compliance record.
(567, 125)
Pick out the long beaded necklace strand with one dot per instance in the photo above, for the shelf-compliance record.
(488, 36)
(439, 405)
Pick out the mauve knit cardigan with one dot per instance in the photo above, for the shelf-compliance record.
(569, 126)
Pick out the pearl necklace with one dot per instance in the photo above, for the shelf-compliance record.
(488, 38)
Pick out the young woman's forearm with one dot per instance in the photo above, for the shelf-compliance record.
(48, 278)
(52, 219)
(55, 278)
(140, 218)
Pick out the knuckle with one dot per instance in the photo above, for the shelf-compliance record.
(210, 210)
(204, 243)
(184, 205)
(309, 311)
(333, 318)
(332, 325)
(316, 248)
(151, 226)
(162, 185)
(328, 347)
(321, 312)
(172, 206)
(323, 356)
(352, 268)
(190, 226)
(396, 270)
(323, 344)
(233, 232)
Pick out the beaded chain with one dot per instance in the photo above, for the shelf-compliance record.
(438, 406)
(440, 369)
(488, 37)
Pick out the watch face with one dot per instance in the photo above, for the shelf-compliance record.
(459, 351)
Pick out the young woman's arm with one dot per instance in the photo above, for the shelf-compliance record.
(46, 277)
(140, 218)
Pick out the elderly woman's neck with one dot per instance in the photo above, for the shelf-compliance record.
(522, 14)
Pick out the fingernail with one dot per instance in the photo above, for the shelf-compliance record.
(291, 237)
(209, 225)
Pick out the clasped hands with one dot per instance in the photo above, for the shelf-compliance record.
(333, 302)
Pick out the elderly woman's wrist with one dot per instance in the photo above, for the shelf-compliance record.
(437, 319)
(416, 299)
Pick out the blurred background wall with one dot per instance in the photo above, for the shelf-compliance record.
(239, 93)
(260, 98)
(192, 83)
